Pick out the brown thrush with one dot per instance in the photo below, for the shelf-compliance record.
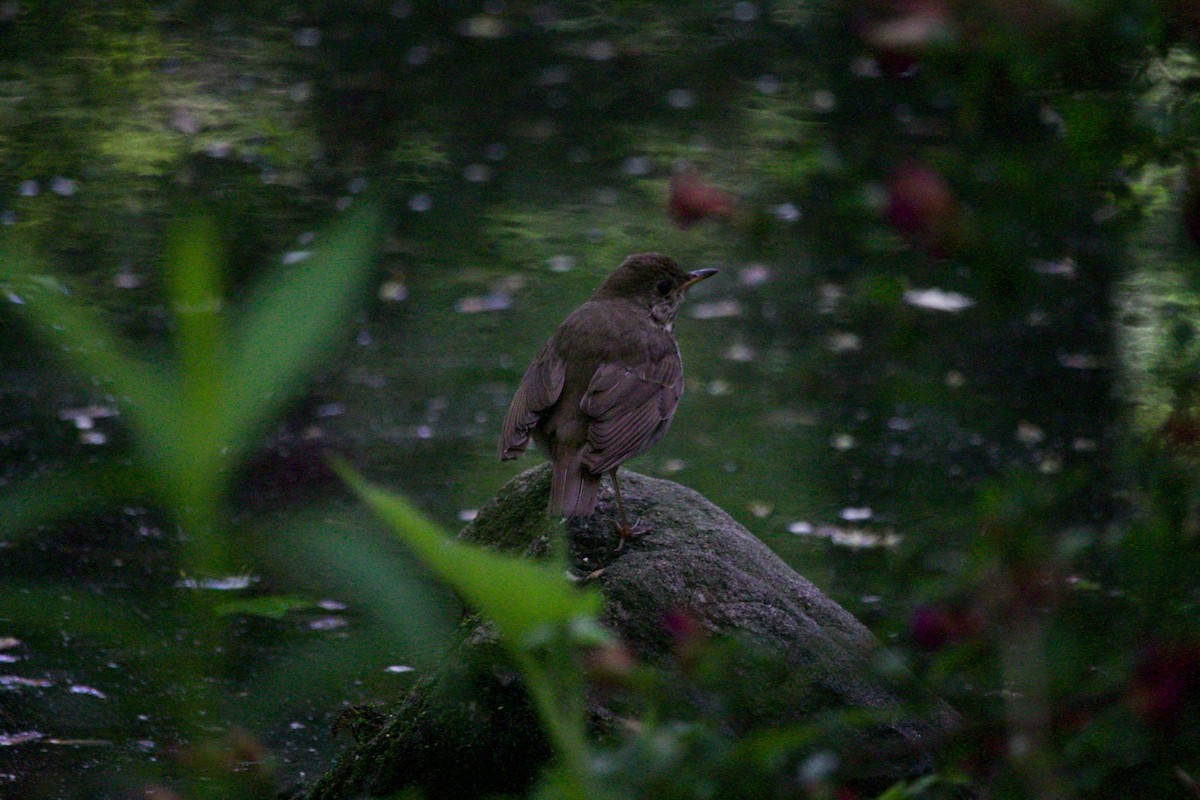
(603, 389)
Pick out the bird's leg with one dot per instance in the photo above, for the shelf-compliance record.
(624, 528)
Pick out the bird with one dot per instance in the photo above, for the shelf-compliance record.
(605, 386)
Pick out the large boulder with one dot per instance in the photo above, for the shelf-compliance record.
(792, 655)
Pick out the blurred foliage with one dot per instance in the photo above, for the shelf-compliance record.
(1038, 449)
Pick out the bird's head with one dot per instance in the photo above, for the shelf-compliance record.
(653, 281)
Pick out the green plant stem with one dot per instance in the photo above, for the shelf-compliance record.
(563, 726)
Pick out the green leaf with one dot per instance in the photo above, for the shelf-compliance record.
(521, 597)
(193, 269)
(347, 553)
(292, 322)
(79, 337)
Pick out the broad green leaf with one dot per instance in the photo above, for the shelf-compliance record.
(347, 553)
(292, 322)
(520, 596)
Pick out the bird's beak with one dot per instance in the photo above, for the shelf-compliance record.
(699, 275)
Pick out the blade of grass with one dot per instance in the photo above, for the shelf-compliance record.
(519, 596)
(291, 323)
(80, 339)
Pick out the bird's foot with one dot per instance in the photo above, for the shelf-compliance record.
(638, 528)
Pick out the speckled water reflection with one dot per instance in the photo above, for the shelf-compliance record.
(841, 396)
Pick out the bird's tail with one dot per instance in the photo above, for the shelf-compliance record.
(573, 488)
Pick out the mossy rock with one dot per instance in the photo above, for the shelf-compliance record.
(787, 654)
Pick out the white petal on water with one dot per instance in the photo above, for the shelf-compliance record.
(125, 279)
(475, 305)
(327, 623)
(859, 539)
(398, 669)
(561, 263)
(1079, 361)
(823, 100)
(766, 84)
(829, 296)
(483, 26)
(88, 690)
(1029, 434)
(842, 442)
(728, 307)
(468, 514)
(800, 528)
(17, 681)
(739, 352)
(636, 166)
(307, 37)
(681, 98)
(844, 342)
(229, 583)
(83, 415)
(20, 737)
(294, 256)
(393, 291)
(331, 410)
(63, 187)
(600, 50)
(477, 173)
(754, 275)
(1064, 268)
(938, 300)
(787, 212)
(856, 514)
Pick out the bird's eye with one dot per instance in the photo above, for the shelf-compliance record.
(663, 288)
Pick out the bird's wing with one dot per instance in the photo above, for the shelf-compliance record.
(539, 390)
(629, 406)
